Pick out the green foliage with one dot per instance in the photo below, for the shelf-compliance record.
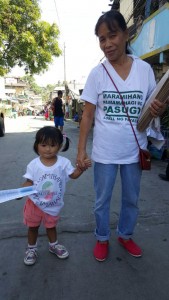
(43, 91)
(26, 40)
(46, 92)
(32, 84)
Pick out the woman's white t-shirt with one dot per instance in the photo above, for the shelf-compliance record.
(113, 138)
(50, 183)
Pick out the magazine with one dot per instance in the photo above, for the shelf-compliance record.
(161, 93)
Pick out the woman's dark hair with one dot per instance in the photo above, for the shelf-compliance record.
(52, 135)
(114, 21)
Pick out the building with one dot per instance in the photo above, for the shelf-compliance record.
(14, 86)
(149, 39)
(18, 98)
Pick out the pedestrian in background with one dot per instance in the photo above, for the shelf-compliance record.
(114, 144)
(46, 114)
(57, 107)
(66, 111)
(49, 172)
(166, 175)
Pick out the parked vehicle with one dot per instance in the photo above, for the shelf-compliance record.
(2, 124)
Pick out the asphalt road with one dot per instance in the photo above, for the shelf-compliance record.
(80, 277)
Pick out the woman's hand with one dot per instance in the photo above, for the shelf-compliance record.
(157, 108)
(82, 160)
(85, 126)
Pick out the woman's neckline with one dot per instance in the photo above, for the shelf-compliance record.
(123, 69)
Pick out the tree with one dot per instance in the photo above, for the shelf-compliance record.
(45, 92)
(26, 40)
(32, 84)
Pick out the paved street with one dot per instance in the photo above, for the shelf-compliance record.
(80, 277)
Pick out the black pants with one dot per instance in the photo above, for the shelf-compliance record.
(167, 171)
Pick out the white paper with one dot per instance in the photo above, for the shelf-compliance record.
(7, 195)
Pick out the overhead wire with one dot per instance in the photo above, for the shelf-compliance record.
(60, 27)
(134, 10)
(57, 13)
(128, 11)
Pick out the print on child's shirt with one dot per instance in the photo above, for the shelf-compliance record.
(49, 188)
(114, 109)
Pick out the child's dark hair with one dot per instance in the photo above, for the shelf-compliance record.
(114, 20)
(50, 134)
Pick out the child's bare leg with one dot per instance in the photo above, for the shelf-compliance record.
(52, 234)
(32, 235)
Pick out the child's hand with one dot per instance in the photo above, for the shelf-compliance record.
(87, 162)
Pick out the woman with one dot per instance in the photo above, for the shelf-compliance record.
(114, 143)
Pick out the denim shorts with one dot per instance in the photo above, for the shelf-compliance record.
(59, 121)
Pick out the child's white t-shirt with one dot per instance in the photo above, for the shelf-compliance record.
(50, 183)
(113, 138)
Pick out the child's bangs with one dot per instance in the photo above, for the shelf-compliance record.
(48, 140)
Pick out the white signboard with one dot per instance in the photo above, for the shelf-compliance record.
(7, 195)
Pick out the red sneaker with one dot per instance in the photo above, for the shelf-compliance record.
(100, 251)
(131, 247)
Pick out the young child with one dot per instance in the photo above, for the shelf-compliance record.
(49, 173)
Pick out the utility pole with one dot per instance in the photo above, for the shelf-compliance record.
(64, 52)
(65, 83)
